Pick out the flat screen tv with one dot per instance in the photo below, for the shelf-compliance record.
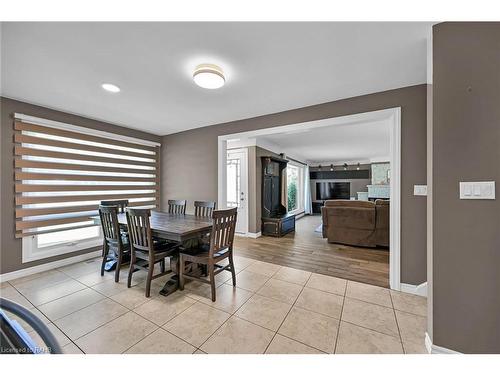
(333, 190)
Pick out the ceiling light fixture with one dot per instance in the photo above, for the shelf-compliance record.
(331, 167)
(345, 166)
(209, 76)
(357, 167)
(110, 87)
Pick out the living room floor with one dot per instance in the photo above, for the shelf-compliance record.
(307, 250)
(273, 309)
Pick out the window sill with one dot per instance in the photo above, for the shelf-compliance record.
(30, 253)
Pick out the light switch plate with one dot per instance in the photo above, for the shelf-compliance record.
(420, 190)
(477, 190)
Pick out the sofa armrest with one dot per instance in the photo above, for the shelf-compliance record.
(324, 217)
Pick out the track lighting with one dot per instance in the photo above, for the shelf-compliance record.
(345, 166)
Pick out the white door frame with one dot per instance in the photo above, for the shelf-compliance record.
(244, 167)
(391, 114)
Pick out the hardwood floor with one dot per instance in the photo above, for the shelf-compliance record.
(309, 251)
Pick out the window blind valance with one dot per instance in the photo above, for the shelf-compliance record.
(62, 174)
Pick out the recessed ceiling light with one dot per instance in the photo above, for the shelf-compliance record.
(209, 76)
(110, 87)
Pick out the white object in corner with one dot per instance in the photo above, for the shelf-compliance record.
(48, 266)
(254, 235)
(419, 290)
(434, 349)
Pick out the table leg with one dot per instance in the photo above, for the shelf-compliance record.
(173, 283)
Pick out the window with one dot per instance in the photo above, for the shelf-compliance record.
(295, 187)
(62, 172)
(233, 182)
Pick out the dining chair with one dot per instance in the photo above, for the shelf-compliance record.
(219, 248)
(113, 238)
(144, 249)
(121, 204)
(204, 208)
(176, 206)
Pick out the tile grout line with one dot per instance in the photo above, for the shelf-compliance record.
(161, 326)
(286, 316)
(233, 314)
(340, 320)
(397, 324)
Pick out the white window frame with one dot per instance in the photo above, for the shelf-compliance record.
(300, 187)
(31, 251)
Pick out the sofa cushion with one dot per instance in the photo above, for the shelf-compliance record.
(352, 218)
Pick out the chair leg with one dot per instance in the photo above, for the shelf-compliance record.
(104, 257)
(162, 266)
(211, 271)
(233, 273)
(131, 269)
(118, 266)
(151, 268)
(180, 272)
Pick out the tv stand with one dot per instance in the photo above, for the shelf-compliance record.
(316, 206)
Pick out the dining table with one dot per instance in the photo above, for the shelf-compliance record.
(175, 228)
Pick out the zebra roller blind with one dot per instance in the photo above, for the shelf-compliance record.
(61, 175)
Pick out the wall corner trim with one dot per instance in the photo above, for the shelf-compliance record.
(419, 290)
(435, 349)
(48, 266)
(254, 235)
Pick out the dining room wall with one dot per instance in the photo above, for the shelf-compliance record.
(189, 160)
(465, 147)
(11, 247)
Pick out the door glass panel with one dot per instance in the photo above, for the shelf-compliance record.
(233, 182)
(292, 174)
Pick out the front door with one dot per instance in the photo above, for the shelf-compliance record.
(237, 186)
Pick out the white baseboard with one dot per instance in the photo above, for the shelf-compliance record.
(249, 234)
(420, 290)
(435, 349)
(48, 266)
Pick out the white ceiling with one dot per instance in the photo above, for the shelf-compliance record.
(359, 142)
(270, 67)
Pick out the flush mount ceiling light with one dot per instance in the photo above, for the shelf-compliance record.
(110, 87)
(209, 76)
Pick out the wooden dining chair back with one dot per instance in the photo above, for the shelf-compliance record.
(222, 235)
(121, 204)
(145, 250)
(177, 206)
(112, 238)
(220, 247)
(139, 228)
(203, 208)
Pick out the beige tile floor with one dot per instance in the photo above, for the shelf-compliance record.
(273, 309)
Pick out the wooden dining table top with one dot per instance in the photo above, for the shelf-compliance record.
(175, 227)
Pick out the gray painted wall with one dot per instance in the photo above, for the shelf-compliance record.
(189, 160)
(11, 247)
(466, 147)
